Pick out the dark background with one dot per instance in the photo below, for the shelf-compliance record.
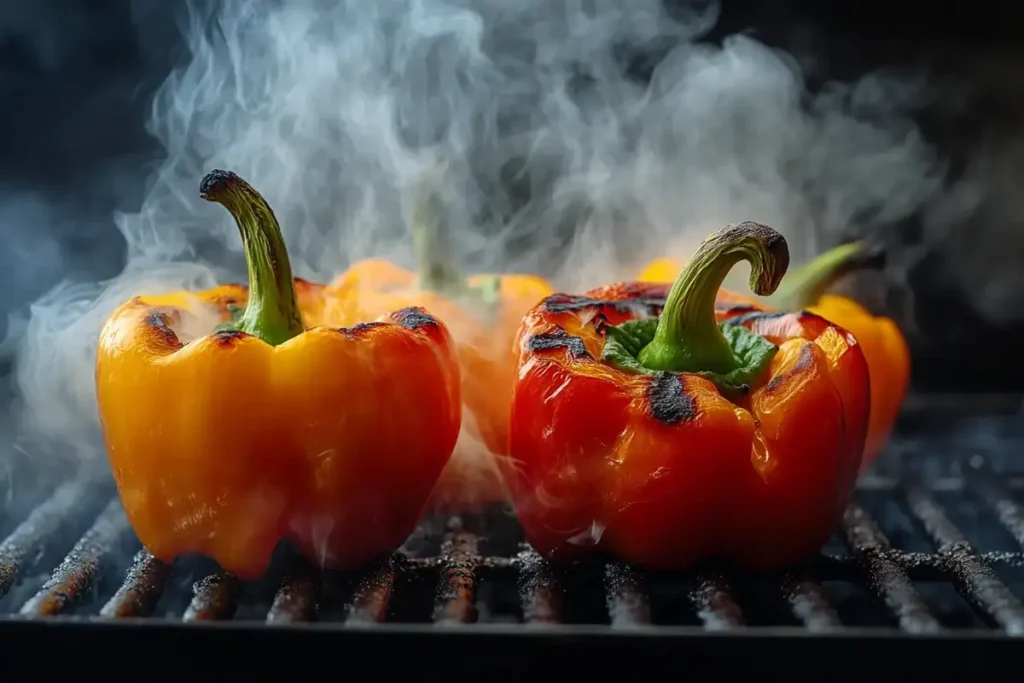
(76, 80)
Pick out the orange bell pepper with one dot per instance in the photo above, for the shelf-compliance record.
(483, 313)
(883, 344)
(668, 440)
(227, 433)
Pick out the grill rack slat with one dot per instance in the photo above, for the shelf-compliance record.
(372, 596)
(886, 576)
(540, 590)
(295, 599)
(76, 574)
(459, 568)
(142, 588)
(213, 597)
(714, 603)
(627, 603)
(1010, 513)
(809, 603)
(31, 533)
(973, 578)
(456, 589)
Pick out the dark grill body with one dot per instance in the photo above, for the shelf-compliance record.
(926, 574)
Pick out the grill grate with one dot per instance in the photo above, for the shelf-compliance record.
(459, 570)
(935, 550)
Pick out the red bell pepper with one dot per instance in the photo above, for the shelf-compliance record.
(668, 440)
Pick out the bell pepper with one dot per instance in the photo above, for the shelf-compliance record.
(880, 339)
(230, 424)
(483, 313)
(668, 439)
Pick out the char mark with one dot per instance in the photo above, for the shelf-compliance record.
(640, 306)
(670, 403)
(160, 323)
(356, 331)
(804, 361)
(413, 318)
(229, 337)
(558, 340)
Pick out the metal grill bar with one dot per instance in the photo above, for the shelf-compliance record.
(885, 577)
(372, 595)
(214, 597)
(141, 589)
(975, 581)
(539, 589)
(714, 603)
(295, 600)
(456, 592)
(76, 573)
(808, 602)
(31, 533)
(1009, 512)
(628, 604)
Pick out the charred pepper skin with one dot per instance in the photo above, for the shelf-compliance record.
(664, 469)
(225, 443)
(880, 339)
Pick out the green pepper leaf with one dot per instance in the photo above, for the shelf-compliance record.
(625, 342)
(753, 352)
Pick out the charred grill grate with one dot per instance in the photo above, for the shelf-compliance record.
(935, 550)
(460, 570)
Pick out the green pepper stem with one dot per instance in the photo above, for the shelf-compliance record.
(688, 338)
(272, 313)
(809, 282)
(437, 272)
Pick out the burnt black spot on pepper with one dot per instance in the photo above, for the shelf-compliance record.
(229, 337)
(558, 340)
(776, 382)
(413, 318)
(159, 322)
(565, 303)
(670, 402)
(357, 330)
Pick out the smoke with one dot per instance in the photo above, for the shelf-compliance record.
(560, 159)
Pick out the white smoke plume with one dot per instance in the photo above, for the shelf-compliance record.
(561, 160)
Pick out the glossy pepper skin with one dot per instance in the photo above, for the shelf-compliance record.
(226, 435)
(696, 455)
(483, 313)
(880, 339)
